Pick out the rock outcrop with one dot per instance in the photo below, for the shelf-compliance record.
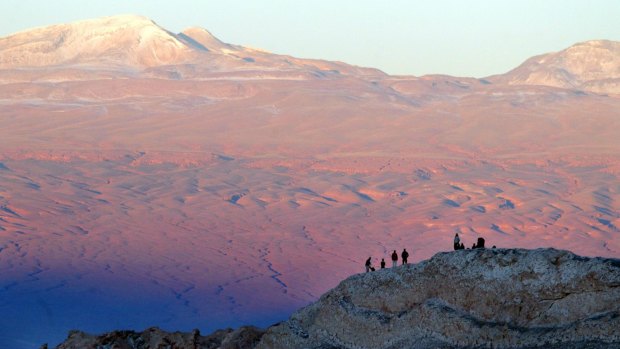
(499, 298)
(485, 298)
(244, 337)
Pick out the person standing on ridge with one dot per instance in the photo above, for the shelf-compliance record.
(382, 263)
(404, 255)
(457, 241)
(368, 263)
(394, 259)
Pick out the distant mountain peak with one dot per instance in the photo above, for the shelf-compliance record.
(597, 43)
(205, 39)
(131, 44)
(199, 31)
(590, 65)
(127, 40)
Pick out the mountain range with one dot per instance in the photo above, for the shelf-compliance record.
(175, 180)
(130, 43)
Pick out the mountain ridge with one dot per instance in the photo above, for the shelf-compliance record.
(138, 43)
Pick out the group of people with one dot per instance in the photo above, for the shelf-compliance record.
(404, 255)
(458, 245)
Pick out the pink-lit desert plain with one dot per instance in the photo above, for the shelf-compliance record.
(151, 178)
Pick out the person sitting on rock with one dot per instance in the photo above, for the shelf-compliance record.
(382, 263)
(457, 241)
(368, 264)
(404, 256)
(462, 246)
(394, 259)
(480, 243)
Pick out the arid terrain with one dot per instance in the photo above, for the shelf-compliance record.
(150, 178)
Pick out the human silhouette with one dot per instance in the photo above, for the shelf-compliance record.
(368, 264)
(394, 259)
(382, 263)
(462, 246)
(480, 243)
(457, 241)
(473, 246)
(404, 255)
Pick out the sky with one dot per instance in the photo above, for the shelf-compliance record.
(474, 38)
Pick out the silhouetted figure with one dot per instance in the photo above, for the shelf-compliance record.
(494, 246)
(404, 256)
(394, 259)
(473, 246)
(457, 241)
(382, 263)
(368, 265)
(462, 246)
(480, 243)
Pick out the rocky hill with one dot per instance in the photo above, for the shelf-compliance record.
(591, 66)
(500, 298)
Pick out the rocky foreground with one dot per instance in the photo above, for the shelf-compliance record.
(493, 298)
(244, 337)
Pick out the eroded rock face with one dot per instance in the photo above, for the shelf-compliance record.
(500, 298)
(244, 337)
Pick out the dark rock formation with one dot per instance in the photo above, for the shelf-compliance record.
(242, 338)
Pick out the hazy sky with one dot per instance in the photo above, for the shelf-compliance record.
(415, 37)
